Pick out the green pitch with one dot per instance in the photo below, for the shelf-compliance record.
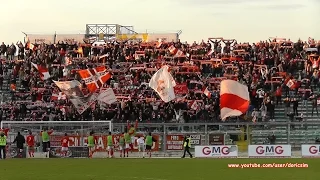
(152, 169)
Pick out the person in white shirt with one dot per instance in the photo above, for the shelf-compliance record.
(141, 146)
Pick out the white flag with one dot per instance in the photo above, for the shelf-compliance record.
(107, 96)
(162, 82)
(72, 89)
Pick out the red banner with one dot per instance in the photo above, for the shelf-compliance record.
(181, 88)
(174, 142)
(101, 141)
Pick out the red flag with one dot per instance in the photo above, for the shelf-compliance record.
(95, 77)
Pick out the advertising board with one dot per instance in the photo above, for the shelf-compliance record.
(41, 38)
(310, 150)
(74, 152)
(101, 141)
(230, 151)
(70, 38)
(216, 139)
(175, 142)
(269, 151)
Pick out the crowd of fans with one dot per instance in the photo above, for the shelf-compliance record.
(277, 72)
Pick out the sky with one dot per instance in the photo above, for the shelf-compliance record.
(243, 20)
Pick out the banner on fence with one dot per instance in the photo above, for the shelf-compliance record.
(101, 141)
(13, 152)
(269, 151)
(175, 142)
(216, 139)
(75, 152)
(311, 150)
(195, 139)
(217, 151)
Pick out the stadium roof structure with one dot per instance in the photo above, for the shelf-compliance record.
(107, 30)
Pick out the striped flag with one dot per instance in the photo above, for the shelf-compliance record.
(234, 99)
(44, 73)
(175, 51)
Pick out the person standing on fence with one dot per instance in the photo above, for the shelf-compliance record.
(3, 144)
(149, 143)
(20, 142)
(91, 144)
(122, 145)
(132, 132)
(45, 135)
(30, 143)
(187, 146)
(110, 143)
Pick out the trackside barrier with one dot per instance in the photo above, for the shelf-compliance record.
(271, 151)
(216, 151)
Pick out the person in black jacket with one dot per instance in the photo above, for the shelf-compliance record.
(187, 146)
(20, 140)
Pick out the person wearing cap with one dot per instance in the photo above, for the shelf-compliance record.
(3, 144)
(187, 146)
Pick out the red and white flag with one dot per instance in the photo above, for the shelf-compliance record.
(290, 83)
(206, 92)
(163, 83)
(68, 61)
(194, 105)
(159, 43)
(175, 51)
(59, 96)
(210, 52)
(234, 99)
(44, 73)
(95, 77)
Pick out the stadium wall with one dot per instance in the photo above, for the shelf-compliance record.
(145, 37)
(70, 38)
(41, 38)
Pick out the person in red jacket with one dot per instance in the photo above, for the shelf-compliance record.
(278, 95)
(30, 144)
(64, 145)
(5, 131)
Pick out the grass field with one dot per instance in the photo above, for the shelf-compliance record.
(153, 169)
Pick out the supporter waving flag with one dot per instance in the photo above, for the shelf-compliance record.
(95, 77)
(72, 89)
(44, 73)
(175, 51)
(290, 83)
(58, 96)
(163, 83)
(234, 99)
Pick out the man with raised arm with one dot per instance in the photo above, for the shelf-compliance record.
(127, 140)
(132, 132)
(45, 136)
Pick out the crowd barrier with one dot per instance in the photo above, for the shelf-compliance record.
(220, 151)
(207, 139)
